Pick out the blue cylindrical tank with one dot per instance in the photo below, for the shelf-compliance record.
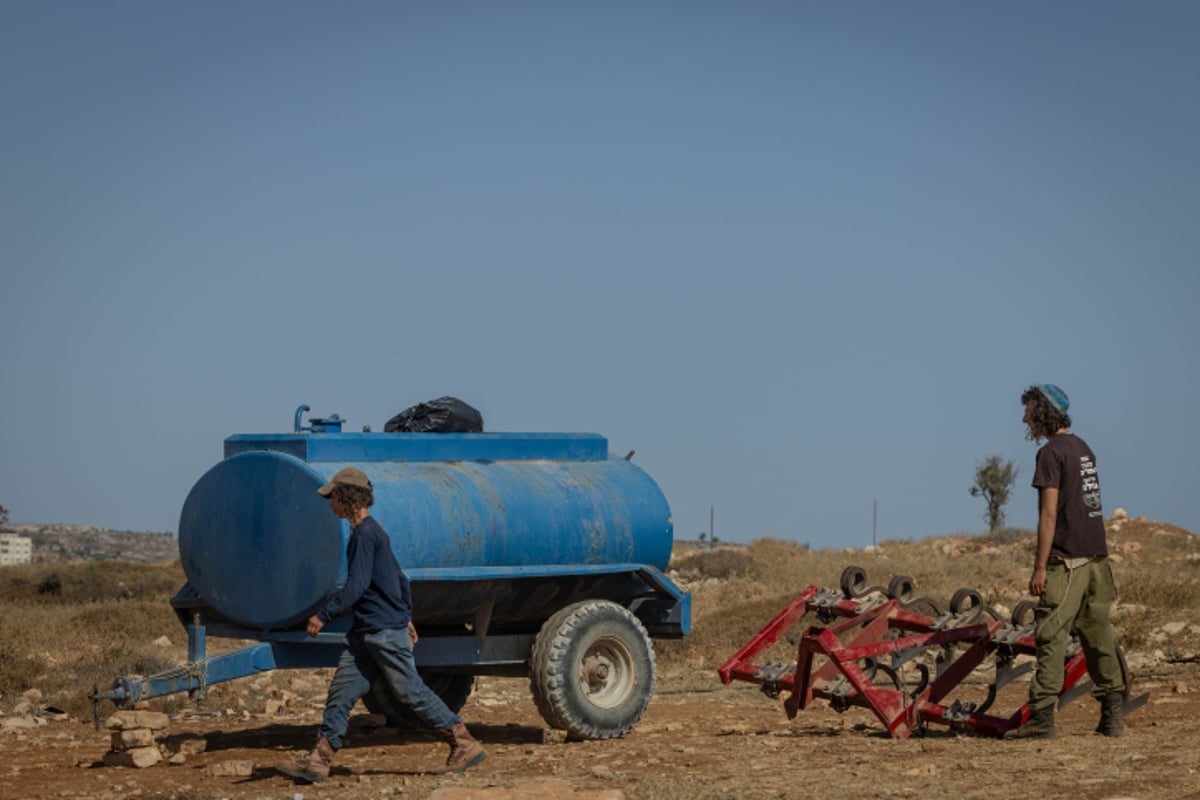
(263, 548)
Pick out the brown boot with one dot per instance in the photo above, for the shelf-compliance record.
(1110, 714)
(311, 768)
(1040, 725)
(465, 752)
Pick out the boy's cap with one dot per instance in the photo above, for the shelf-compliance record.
(349, 476)
(1057, 397)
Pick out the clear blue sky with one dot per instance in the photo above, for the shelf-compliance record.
(800, 256)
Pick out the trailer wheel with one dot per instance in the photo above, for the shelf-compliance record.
(454, 689)
(592, 670)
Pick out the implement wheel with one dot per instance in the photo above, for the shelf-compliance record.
(854, 583)
(592, 670)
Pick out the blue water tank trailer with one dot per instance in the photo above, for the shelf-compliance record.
(530, 554)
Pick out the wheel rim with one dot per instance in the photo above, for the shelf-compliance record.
(606, 672)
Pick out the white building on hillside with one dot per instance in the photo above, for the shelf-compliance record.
(15, 549)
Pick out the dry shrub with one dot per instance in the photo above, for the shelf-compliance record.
(1154, 589)
(99, 623)
(88, 582)
(1006, 536)
(721, 564)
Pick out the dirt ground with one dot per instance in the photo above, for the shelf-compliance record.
(699, 739)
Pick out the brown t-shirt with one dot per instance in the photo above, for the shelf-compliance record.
(1068, 464)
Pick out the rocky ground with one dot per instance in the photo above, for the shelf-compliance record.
(699, 739)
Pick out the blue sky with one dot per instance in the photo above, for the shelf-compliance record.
(800, 256)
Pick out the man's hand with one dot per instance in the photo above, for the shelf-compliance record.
(314, 626)
(1037, 582)
(412, 632)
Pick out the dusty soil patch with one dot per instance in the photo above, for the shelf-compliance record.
(698, 740)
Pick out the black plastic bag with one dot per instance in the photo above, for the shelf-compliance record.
(444, 415)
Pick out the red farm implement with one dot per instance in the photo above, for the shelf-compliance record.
(873, 649)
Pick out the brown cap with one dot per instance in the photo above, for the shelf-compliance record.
(349, 476)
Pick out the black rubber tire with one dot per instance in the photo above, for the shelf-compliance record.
(1022, 613)
(853, 582)
(967, 600)
(592, 670)
(901, 588)
(453, 688)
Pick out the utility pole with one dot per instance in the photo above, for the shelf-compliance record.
(875, 525)
(712, 515)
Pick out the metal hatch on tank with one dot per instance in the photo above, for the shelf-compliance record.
(529, 553)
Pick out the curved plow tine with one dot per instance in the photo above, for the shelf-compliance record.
(1075, 692)
(1135, 703)
(1007, 676)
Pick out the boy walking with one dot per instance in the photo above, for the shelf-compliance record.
(380, 641)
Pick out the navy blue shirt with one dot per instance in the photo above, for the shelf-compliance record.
(376, 589)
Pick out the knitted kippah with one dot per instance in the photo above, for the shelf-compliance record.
(1057, 397)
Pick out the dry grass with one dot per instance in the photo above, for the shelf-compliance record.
(66, 627)
(1157, 568)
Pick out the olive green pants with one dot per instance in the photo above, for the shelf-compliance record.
(1077, 599)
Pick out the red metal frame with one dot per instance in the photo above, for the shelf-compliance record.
(880, 629)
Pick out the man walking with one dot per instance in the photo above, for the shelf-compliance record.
(1072, 577)
(380, 641)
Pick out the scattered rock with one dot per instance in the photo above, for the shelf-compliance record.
(162, 641)
(138, 757)
(134, 737)
(491, 702)
(12, 723)
(925, 770)
(177, 759)
(128, 720)
(230, 769)
(549, 790)
(553, 736)
(1174, 628)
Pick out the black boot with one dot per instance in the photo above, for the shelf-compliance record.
(1110, 714)
(1040, 725)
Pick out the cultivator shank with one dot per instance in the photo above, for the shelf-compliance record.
(873, 650)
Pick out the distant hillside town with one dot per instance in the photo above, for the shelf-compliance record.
(32, 542)
(15, 549)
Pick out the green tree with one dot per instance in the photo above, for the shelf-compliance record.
(3, 515)
(994, 478)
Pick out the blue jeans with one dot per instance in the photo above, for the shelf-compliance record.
(368, 656)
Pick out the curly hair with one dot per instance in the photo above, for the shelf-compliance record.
(353, 497)
(1044, 419)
